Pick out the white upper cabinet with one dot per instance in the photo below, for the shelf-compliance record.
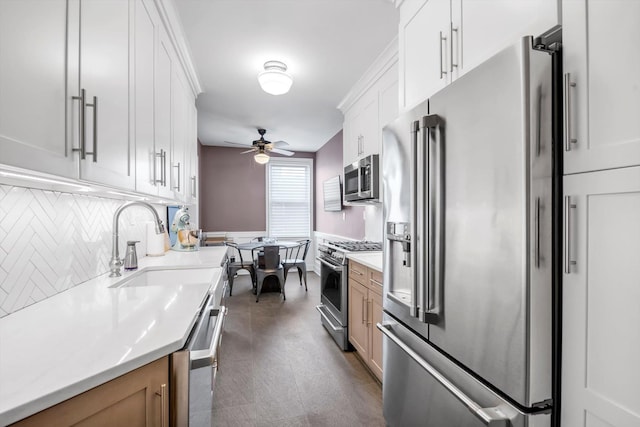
(424, 52)
(440, 40)
(601, 84)
(153, 67)
(33, 40)
(145, 36)
(370, 104)
(103, 79)
(181, 103)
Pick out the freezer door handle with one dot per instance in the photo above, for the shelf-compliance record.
(492, 417)
(433, 126)
(414, 218)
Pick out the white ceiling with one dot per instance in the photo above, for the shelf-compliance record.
(326, 44)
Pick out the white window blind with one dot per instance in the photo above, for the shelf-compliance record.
(289, 198)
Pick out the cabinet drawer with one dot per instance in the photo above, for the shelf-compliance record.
(375, 280)
(357, 272)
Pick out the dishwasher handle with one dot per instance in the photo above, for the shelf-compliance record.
(207, 357)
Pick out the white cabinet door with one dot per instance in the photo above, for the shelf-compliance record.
(424, 49)
(602, 84)
(366, 124)
(482, 28)
(162, 113)
(33, 39)
(350, 139)
(104, 74)
(180, 128)
(192, 156)
(601, 292)
(143, 119)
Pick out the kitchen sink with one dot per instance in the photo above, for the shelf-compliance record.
(168, 276)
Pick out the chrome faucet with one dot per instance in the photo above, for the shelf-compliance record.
(115, 263)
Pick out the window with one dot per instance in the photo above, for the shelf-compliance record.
(289, 197)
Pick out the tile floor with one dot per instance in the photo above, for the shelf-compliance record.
(279, 367)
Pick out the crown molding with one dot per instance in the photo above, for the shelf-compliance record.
(381, 65)
(171, 21)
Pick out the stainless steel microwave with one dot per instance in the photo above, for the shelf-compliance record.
(361, 180)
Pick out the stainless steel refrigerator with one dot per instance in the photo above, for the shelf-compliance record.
(468, 277)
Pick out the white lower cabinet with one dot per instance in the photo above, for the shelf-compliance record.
(601, 295)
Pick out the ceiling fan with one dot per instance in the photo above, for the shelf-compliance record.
(261, 147)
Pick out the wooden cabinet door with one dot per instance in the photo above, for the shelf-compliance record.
(33, 42)
(139, 398)
(600, 339)
(602, 84)
(105, 56)
(423, 38)
(358, 331)
(375, 336)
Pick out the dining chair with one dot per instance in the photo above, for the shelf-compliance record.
(296, 257)
(269, 265)
(234, 266)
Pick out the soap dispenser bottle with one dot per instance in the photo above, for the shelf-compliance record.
(130, 257)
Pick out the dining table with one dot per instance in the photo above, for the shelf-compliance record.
(253, 245)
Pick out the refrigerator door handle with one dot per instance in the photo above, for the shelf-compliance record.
(491, 417)
(433, 125)
(416, 276)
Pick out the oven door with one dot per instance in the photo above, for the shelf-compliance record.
(333, 307)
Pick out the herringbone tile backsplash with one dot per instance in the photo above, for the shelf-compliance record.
(52, 241)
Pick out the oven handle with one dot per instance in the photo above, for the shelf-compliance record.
(207, 357)
(323, 314)
(331, 266)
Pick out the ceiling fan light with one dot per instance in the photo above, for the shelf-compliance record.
(274, 79)
(261, 158)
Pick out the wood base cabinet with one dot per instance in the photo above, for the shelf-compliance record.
(365, 311)
(139, 398)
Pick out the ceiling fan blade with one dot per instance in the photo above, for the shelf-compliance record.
(248, 151)
(281, 151)
(278, 144)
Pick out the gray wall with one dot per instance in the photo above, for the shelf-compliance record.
(349, 222)
(233, 190)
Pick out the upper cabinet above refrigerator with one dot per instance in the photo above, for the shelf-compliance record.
(440, 40)
(601, 85)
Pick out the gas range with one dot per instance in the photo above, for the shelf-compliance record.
(336, 252)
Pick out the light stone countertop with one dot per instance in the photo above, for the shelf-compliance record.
(90, 334)
(369, 259)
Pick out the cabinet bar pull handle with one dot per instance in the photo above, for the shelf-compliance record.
(160, 156)
(568, 84)
(442, 71)
(163, 404)
(177, 187)
(369, 311)
(193, 186)
(164, 168)
(567, 234)
(453, 64)
(364, 319)
(537, 236)
(82, 123)
(94, 153)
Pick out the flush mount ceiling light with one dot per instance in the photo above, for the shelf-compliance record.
(274, 79)
(261, 158)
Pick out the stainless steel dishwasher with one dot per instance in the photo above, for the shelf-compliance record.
(194, 369)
